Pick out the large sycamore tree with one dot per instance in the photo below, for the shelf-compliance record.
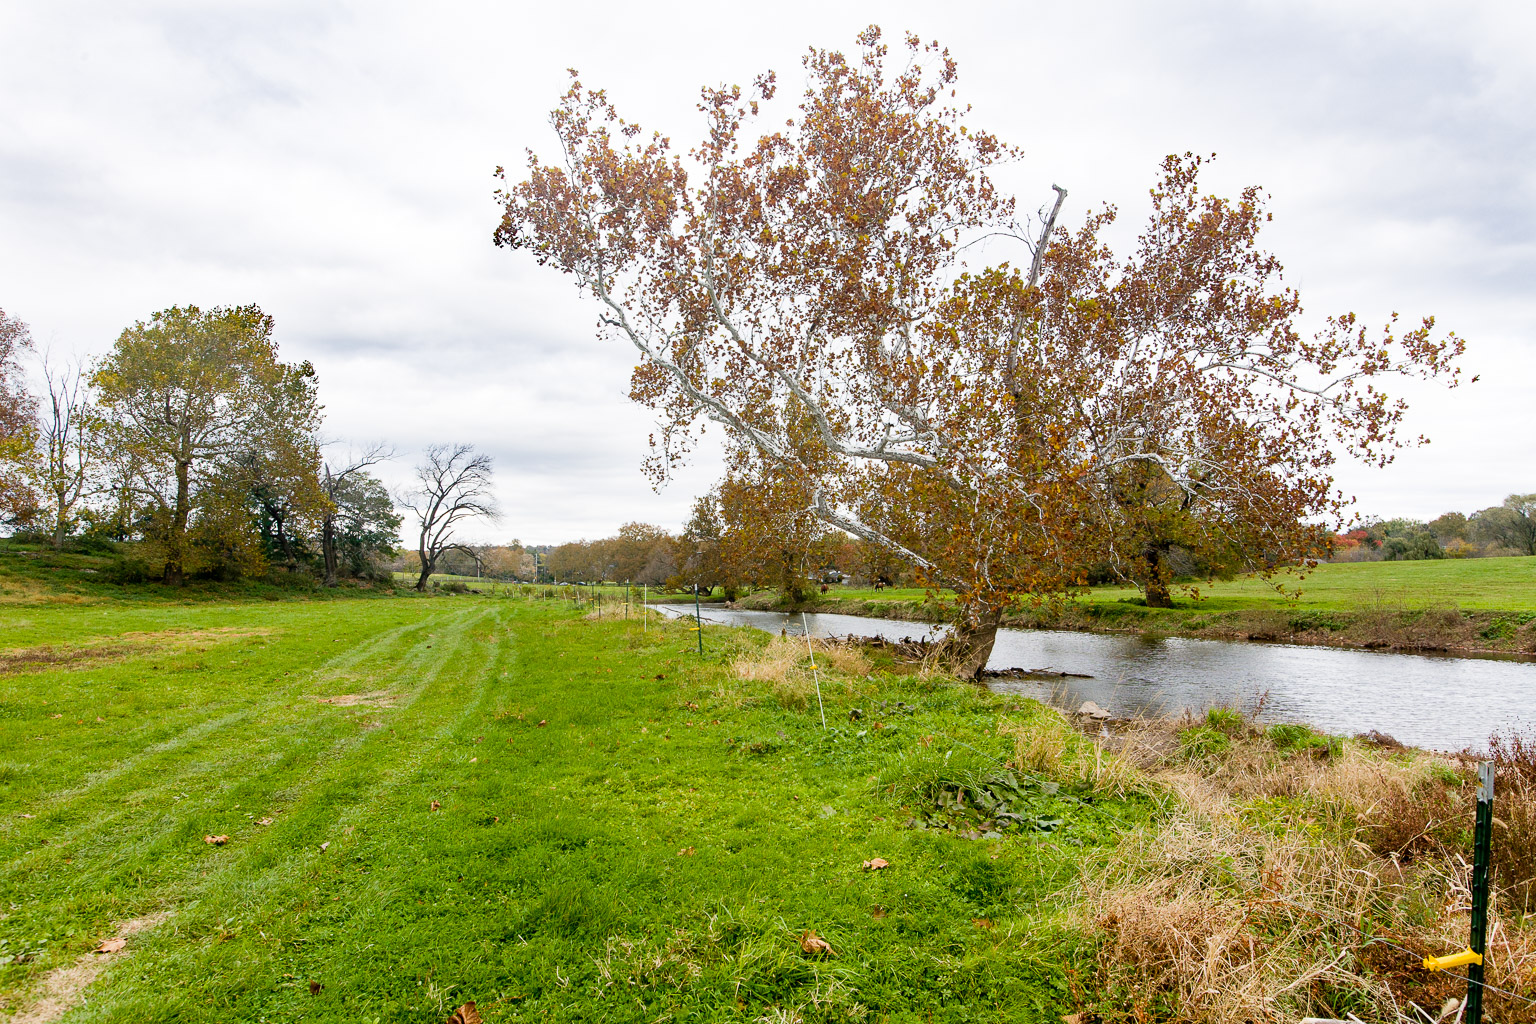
(816, 287)
(190, 400)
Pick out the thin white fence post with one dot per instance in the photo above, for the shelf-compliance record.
(805, 624)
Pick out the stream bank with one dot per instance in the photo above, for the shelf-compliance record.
(1435, 701)
(1441, 630)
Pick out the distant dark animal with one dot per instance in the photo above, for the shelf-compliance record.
(881, 582)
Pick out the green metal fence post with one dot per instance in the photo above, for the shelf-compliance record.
(1482, 848)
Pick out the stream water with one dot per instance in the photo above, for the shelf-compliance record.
(1437, 701)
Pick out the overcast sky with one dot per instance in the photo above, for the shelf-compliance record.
(332, 162)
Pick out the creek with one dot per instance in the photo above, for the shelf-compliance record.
(1441, 702)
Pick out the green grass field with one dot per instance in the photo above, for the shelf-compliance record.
(429, 799)
(1494, 584)
(1471, 584)
(558, 818)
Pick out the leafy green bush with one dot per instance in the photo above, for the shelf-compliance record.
(128, 569)
(92, 544)
(1501, 628)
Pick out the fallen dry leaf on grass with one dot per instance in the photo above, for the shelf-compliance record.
(982, 922)
(466, 1014)
(876, 863)
(315, 987)
(686, 851)
(111, 945)
(542, 723)
(324, 845)
(55, 716)
(28, 815)
(215, 840)
(878, 913)
(473, 760)
(814, 945)
(263, 821)
(436, 805)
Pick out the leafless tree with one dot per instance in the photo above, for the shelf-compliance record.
(454, 484)
(333, 481)
(68, 459)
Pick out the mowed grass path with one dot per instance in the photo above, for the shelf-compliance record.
(558, 818)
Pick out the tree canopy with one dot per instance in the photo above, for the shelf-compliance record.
(17, 409)
(191, 399)
(815, 288)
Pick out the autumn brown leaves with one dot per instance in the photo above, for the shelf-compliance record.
(1007, 432)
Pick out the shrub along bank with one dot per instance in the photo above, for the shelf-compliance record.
(378, 810)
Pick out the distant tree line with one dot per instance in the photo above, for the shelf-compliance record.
(1500, 531)
(732, 542)
(510, 561)
(193, 451)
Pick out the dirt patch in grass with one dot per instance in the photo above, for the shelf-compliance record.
(117, 648)
(59, 991)
(373, 699)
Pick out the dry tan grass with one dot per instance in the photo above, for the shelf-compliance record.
(848, 659)
(784, 663)
(117, 648)
(1267, 895)
(23, 591)
(1214, 923)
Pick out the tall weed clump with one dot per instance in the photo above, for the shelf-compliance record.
(1514, 818)
(784, 664)
(1047, 746)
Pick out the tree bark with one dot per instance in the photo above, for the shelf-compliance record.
(426, 570)
(175, 574)
(1154, 585)
(964, 652)
(282, 540)
(328, 548)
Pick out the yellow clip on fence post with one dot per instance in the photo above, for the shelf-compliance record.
(1445, 963)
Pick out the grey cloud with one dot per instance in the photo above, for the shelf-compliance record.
(332, 161)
